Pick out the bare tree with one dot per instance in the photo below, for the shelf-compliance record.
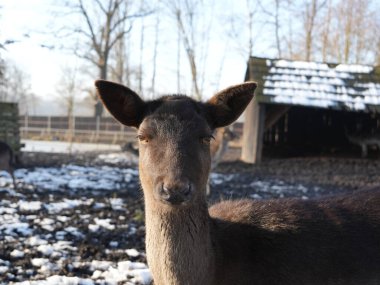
(15, 86)
(155, 52)
(142, 43)
(188, 42)
(326, 31)
(310, 13)
(273, 10)
(101, 26)
(194, 30)
(352, 27)
(68, 89)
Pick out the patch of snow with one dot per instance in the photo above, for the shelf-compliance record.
(13, 227)
(301, 65)
(35, 241)
(93, 228)
(100, 265)
(57, 279)
(142, 276)
(74, 231)
(38, 262)
(45, 249)
(116, 203)
(355, 68)
(63, 219)
(65, 147)
(57, 207)
(17, 253)
(256, 196)
(29, 206)
(132, 252)
(117, 158)
(3, 269)
(104, 223)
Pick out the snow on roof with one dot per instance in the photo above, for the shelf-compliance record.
(339, 86)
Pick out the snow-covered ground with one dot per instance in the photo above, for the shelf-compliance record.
(65, 147)
(51, 227)
(84, 225)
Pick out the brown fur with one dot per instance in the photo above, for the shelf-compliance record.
(335, 240)
(6, 160)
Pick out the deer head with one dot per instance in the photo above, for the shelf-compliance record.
(174, 134)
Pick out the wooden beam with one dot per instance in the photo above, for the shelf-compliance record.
(253, 133)
(273, 114)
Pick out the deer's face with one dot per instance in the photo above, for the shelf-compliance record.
(174, 144)
(174, 134)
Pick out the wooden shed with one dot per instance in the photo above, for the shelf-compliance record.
(311, 104)
(9, 125)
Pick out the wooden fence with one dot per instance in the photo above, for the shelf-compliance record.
(82, 129)
(78, 129)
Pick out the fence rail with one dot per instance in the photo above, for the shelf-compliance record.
(78, 129)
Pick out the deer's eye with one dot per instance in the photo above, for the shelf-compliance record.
(143, 139)
(206, 140)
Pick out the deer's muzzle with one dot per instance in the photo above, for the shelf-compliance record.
(175, 193)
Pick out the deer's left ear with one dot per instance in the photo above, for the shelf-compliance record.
(123, 103)
(227, 105)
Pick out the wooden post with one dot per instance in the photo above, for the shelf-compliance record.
(253, 132)
(48, 125)
(26, 126)
(97, 128)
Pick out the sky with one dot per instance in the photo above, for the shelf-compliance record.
(28, 22)
(18, 19)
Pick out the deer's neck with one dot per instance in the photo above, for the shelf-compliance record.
(179, 246)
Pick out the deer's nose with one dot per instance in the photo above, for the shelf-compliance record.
(176, 193)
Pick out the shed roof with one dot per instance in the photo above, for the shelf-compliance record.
(337, 86)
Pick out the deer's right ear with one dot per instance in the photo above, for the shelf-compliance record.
(227, 105)
(123, 103)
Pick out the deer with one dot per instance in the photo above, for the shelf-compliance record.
(7, 161)
(326, 240)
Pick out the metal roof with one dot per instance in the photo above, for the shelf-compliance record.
(321, 85)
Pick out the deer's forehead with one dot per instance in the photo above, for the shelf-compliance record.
(176, 117)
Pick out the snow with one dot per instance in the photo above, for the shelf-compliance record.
(116, 204)
(318, 85)
(104, 223)
(132, 252)
(355, 68)
(77, 177)
(260, 189)
(117, 158)
(58, 207)
(61, 280)
(17, 253)
(65, 147)
(29, 206)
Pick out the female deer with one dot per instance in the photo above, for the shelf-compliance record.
(326, 241)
